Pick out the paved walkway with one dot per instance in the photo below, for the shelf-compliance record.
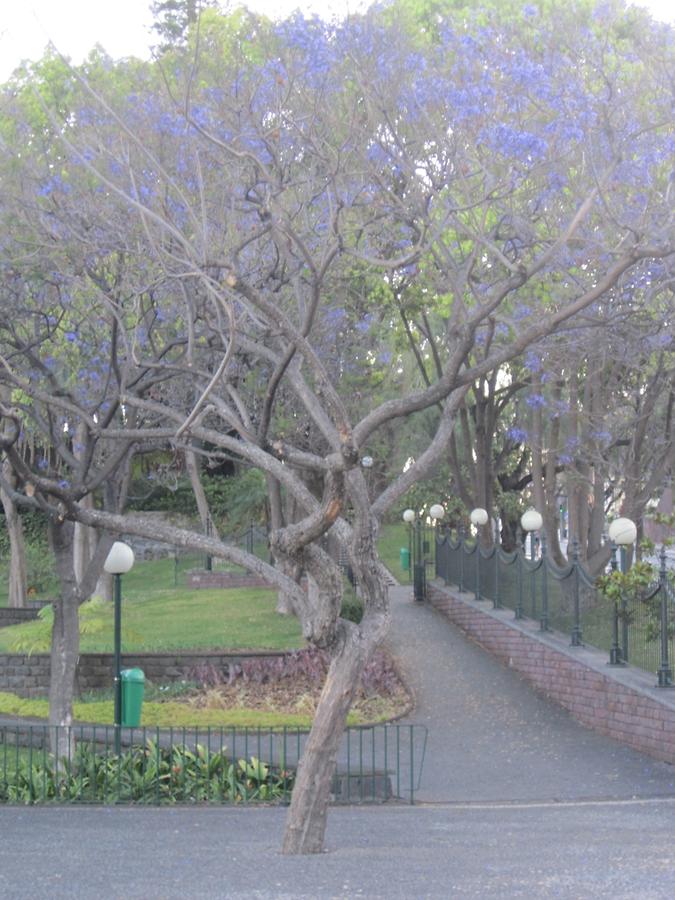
(492, 737)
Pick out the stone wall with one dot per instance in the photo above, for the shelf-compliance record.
(16, 615)
(28, 676)
(621, 702)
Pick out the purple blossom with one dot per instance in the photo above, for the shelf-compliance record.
(536, 401)
(519, 435)
(515, 144)
(533, 361)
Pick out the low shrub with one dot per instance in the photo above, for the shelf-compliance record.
(144, 774)
(379, 675)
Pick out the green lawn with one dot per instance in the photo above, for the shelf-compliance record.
(392, 538)
(156, 616)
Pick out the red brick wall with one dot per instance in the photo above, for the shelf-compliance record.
(621, 703)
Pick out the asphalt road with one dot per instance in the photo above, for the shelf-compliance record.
(624, 850)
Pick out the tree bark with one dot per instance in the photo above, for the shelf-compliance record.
(18, 579)
(306, 822)
(65, 645)
(205, 517)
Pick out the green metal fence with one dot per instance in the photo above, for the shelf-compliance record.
(209, 765)
(639, 631)
(253, 540)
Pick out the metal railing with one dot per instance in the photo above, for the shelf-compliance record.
(637, 630)
(253, 540)
(208, 765)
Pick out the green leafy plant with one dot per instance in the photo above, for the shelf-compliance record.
(632, 589)
(143, 774)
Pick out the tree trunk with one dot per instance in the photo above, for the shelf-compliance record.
(104, 587)
(65, 646)
(306, 821)
(84, 541)
(200, 496)
(18, 581)
(285, 605)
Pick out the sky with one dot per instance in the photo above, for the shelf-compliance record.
(123, 26)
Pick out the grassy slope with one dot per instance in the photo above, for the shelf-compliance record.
(158, 616)
(392, 538)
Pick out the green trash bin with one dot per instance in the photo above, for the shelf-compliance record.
(133, 686)
(405, 559)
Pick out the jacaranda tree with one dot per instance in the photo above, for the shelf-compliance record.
(220, 226)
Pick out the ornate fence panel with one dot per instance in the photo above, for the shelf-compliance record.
(640, 631)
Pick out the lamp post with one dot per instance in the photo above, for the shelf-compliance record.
(622, 532)
(665, 672)
(479, 517)
(119, 560)
(436, 512)
(367, 463)
(531, 521)
(415, 522)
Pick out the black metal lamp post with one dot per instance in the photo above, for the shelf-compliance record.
(665, 672)
(622, 533)
(436, 511)
(419, 575)
(479, 517)
(530, 521)
(418, 547)
(120, 559)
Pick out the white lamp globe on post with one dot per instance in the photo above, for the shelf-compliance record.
(479, 517)
(622, 533)
(531, 520)
(120, 559)
(409, 516)
(436, 512)
(118, 562)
